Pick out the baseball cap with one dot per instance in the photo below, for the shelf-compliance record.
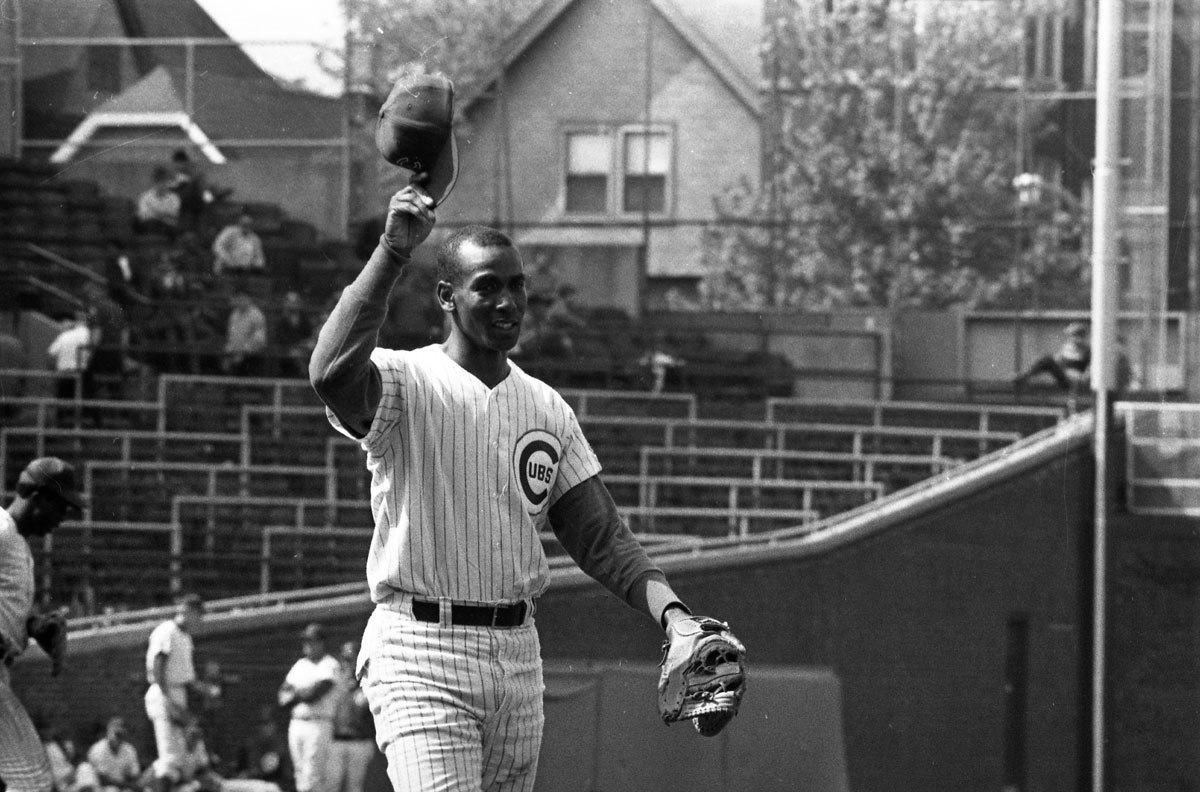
(51, 474)
(313, 632)
(415, 130)
(1076, 329)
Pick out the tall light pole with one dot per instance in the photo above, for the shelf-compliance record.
(1106, 183)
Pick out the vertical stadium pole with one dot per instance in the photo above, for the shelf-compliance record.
(1106, 186)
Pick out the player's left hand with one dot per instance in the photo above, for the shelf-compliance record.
(703, 674)
(49, 630)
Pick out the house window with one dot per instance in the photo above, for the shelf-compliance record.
(647, 162)
(589, 159)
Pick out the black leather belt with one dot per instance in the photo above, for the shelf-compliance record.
(473, 615)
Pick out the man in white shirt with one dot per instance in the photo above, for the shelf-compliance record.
(170, 672)
(308, 690)
(71, 353)
(114, 759)
(238, 248)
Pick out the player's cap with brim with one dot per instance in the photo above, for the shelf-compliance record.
(313, 632)
(52, 475)
(1076, 330)
(415, 131)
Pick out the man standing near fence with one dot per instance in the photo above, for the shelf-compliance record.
(171, 672)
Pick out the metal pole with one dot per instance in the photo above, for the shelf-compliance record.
(1106, 182)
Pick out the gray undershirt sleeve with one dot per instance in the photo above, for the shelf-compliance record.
(586, 522)
(340, 368)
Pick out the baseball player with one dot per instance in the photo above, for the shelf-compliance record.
(308, 691)
(45, 495)
(171, 671)
(470, 458)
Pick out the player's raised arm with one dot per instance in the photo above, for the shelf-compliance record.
(340, 368)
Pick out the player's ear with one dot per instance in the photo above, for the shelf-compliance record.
(445, 295)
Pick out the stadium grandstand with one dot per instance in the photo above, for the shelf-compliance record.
(901, 536)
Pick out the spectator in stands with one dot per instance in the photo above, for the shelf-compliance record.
(535, 340)
(658, 361)
(125, 284)
(110, 331)
(563, 319)
(71, 354)
(70, 774)
(308, 692)
(191, 185)
(114, 758)
(1068, 366)
(238, 248)
(158, 207)
(293, 334)
(264, 756)
(171, 327)
(353, 728)
(245, 337)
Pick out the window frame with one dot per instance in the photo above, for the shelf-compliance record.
(616, 135)
(647, 130)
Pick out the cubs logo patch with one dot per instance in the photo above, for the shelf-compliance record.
(536, 459)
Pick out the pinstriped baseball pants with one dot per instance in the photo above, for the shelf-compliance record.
(23, 763)
(457, 709)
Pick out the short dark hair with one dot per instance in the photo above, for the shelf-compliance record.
(448, 266)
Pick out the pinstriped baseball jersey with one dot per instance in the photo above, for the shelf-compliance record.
(23, 763)
(16, 586)
(462, 478)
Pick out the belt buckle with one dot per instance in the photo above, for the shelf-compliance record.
(495, 615)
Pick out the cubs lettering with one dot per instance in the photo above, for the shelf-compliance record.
(536, 458)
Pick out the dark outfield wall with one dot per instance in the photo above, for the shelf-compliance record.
(1154, 654)
(913, 621)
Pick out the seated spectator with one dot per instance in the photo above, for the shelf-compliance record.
(535, 339)
(265, 755)
(191, 185)
(171, 329)
(158, 207)
(71, 354)
(125, 283)
(114, 758)
(238, 248)
(658, 361)
(292, 333)
(1068, 367)
(245, 337)
(110, 332)
(70, 774)
(564, 319)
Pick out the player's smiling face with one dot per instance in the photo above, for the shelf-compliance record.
(489, 296)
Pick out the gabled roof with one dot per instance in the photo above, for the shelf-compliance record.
(224, 108)
(42, 19)
(726, 34)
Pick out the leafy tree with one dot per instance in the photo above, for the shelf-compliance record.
(896, 141)
(463, 39)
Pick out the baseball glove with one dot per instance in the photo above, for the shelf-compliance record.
(50, 632)
(703, 674)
